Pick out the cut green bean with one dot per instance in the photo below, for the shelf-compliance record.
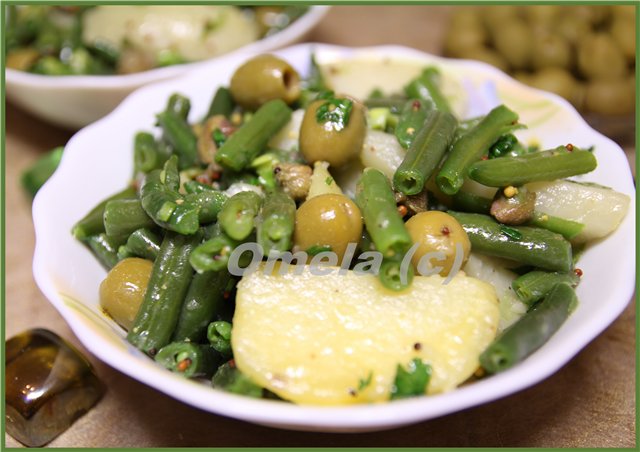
(214, 253)
(181, 137)
(251, 138)
(144, 243)
(219, 337)
(558, 163)
(531, 331)
(237, 217)
(201, 305)
(39, 172)
(411, 121)
(165, 206)
(170, 279)
(394, 104)
(179, 105)
(425, 152)
(391, 275)
(535, 285)
(377, 203)
(93, 223)
(221, 104)
(528, 245)
(189, 359)
(427, 87)
(470, 202)
(123, 216)
(104, 248)
(146, 156)
(208, 202)
(472, 146)
(230, 379)
(276, 222)
(567, 228)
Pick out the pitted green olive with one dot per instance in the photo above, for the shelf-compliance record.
(514, 41)
(333, 131)
(551, 50)
(600, 58)
(264, 78)
(437, 232)
(122, 291)
(329, 220)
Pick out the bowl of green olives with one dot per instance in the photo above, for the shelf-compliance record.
(71, 65)
(584, 53)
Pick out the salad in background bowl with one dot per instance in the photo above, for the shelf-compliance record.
(71, 65)
(470, 89)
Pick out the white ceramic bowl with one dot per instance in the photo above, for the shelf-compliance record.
(75, 101)
(98, 162)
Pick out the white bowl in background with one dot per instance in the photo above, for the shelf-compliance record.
(98, 162)
(73, 101)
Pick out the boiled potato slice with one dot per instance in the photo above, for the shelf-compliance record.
(315, 339)
(382, 151)
(600, 209)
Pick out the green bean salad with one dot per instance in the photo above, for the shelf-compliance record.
(435, 198)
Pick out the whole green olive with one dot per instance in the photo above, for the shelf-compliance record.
(264, 78)
(497, 15)
(328, 220)
(573, 29)
(333, 131)
(541, 15)
(624, 33)
(551, 50)
(122, 291)
(486, 55)
(437, 232)
(555, 80)
(611, 97)
(514, 41)
(600, 58)
(461, 38)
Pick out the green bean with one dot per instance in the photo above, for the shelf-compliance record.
(208, 202)
(93, 222)
(411, 382)
(213, 254)
(470, 202)
(221, 104)
(377, 203)
(144, 243)
(425, 152)
(219, 337)
(251, 138)
(146, 156)
(391, 276)
(238, 214)
(192, 186)
(276, 222)
(123, 216)
(558, 163)
(471, 147)
(181, 137)
(394, 104)
(466, 125)
(531, 331)
(503, 146)
(165, 206)
(411, 121)
(39, 172)
(528, 245)
(201, 305)
(230, 379)
(535, 285)
(426, 87)
(169, 282)
(105, 248)
(189, 359)
(567, 228)
(179, 105)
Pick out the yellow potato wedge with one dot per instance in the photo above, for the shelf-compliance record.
(318, 339)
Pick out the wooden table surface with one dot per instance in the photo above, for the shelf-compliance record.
(588, 403)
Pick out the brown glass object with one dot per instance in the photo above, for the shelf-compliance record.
(49, 385)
